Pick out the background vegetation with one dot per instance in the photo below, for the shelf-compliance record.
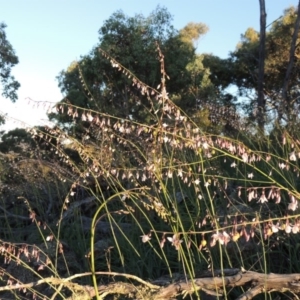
(155, 171)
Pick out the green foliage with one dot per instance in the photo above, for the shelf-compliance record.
(132, 42)
(8, 59)
(191, 33)
(241, 69)
(14, 139)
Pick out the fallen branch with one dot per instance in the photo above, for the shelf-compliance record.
(260, 283)
(209, 282)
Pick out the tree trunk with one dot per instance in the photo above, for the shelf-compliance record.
(285, 99)
(261, 103)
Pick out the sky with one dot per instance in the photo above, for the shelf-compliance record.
(48, 35)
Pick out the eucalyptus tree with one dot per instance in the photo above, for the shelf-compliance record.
(92, 83)
(241, 69)
(8, 59)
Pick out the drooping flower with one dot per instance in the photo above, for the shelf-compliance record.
(207, 184)
(223, 238)
(293, 204)
(197, 181)
(162, 242)
(233, 165)
(245, 157)
(295, 229)
(146, 238)
(293, 156)
(263, 198)
(274, 228)
(282, 165)
(288, 228)
(251, 195)
(175, 241)
(250, 175)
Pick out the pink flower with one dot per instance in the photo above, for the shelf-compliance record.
(146, 238)
(294, 203)
(175, 241)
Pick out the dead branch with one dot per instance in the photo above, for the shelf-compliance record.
(210, 282)
(260, 283)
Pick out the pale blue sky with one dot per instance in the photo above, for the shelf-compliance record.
(49, 34)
